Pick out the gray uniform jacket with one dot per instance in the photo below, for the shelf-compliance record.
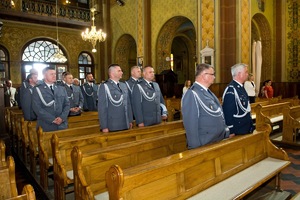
(75, 97)
(90, 96)
(114, 106)
(203, 117)
(148, 103)
(26, 101)
(48, 106)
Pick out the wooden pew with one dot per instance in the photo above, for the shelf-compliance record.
(291, 124)
(15, 116)
(8, 185)
(229, 169)
(254, 108)
(271, 114)
(2, 153)
(86, 119)
(174, 107)
(7, 117)
(62, 147)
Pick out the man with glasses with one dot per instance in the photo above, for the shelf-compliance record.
(236, 105)
(202, 113)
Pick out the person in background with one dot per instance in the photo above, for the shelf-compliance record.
(74, 95)
(187, 86)
(25, 84)
(268, 89)
(202, 113)
(236, 105)
(114, 107)
(61, 81)
(10, 93)
(50, 103)
(262, 90)
(250, 88)
(76, 82)
(147, 101)
(26, 101)
(89, 91)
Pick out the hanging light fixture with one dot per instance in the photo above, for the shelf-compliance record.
(58, 57)
(93, 36)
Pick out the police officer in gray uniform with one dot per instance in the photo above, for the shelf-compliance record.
(89, 91)
(114, 106)
(50, 103)
(26, 97)
(147, 101)
(74, 95)
(202, 113)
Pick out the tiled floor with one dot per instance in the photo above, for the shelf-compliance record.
(290, 177)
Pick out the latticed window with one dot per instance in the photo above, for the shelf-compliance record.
(86, 65)
(4, 69)
(38, 55)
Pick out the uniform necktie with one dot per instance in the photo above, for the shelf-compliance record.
(119, 86)
(51, 89)
(208, 90)
(71, 87)
(252, 83)
(151, 84)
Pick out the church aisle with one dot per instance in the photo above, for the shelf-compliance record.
(290, 177)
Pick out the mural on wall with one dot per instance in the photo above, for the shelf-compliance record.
(294, 40)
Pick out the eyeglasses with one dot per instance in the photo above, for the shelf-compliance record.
(212, 74)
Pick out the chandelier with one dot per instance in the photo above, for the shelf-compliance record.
(58, 56)
(93, 36)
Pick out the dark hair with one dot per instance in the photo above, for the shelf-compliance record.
(201, 67)
(64, 74)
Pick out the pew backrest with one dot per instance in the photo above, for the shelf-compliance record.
(2, 153)
(89, 167)
(186, 174)
(8, 181)
(62, 146)
(270, 114)
(291, 124)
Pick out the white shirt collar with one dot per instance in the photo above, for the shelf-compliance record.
(201, 85)
(239, 83)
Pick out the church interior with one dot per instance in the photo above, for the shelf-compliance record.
(172, 36)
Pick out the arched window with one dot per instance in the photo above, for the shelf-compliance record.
(86, 65)
(4, 65)
(38, 54)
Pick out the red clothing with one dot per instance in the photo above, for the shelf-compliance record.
(269, 90)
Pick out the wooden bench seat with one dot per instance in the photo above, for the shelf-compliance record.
(271, 114)
(87, 119)
(8, 185)
(291, 124)
(236, 185)
(62, 147)
(192, 172)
